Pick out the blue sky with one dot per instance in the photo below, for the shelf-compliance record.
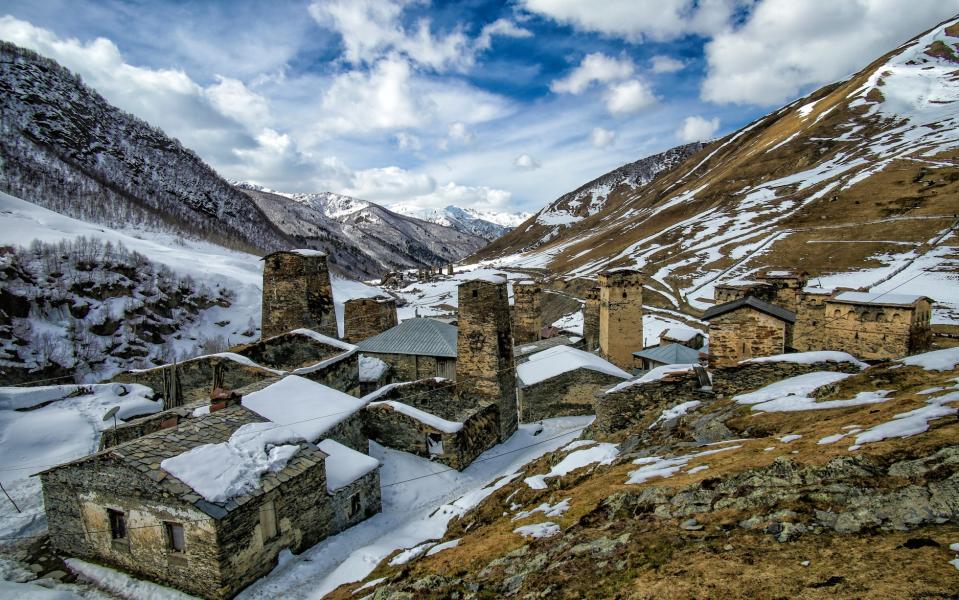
(494, 105)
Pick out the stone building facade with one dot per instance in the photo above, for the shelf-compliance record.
(747, 328)
(365, 317)
(874, 327)
(415, 349)
(297, 293)
(527, 311)
(780, 287)
(484, 350)
(621, 315)
(810, 319)
(568, 394)
(591, 319)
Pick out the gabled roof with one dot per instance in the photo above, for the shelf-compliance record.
(563, 359)
(669, 354)
(681, 334)
(540, 345)
(751, 302)
(419, 336)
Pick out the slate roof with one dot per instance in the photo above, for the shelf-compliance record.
(878, 299)
(419, 336)
(669, 354)
(538, 346)
(751, 302)
(145, 454)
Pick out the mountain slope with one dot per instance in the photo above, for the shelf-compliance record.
(488, 225)
(361, 237)
(858, 177)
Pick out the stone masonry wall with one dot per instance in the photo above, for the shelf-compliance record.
(365, 317)
(569, 394)
(368, 490)
(810, 318)
(342, 375)
(738, 379)
(591, 319)
(621, 315)
(196, 376)
(484, 364)
(527, 312)
(137, 428)
(874, 332)
(640, 405)
(409, 367)
(745, 333)
(296, 294)
(287, 351)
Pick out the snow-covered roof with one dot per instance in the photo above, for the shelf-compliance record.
(653, 375)
(525, 282)
(669, 354)
(344, 465)
(371, 368)
(540, 345)
(817, 291)
(878, 298)
(323, 339)
(307, 407)
(680, 334)
(487, 277)
(808, 358)
(309, 252)
(562, 359)
(419, 336)
(422, 416)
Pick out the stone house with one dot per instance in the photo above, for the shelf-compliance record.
(365, 317)
(747, 328)
(297, 293)
(685, 336)
(562, 381)
(876, 326)
(527, 311)
(415, 349)
(780, 287)
(666, 354)
(810, 316)
(429, 418)
(153, 507)
(621, 315)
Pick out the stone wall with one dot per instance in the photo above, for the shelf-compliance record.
(297, 294)
(342, 374)
(639, 405)
(621, 315)
(365, 317)
(782, 290)
(808, 331)
(484, 364)
(724, 293)
(591, 319)
(876, 332)
(410, 367)
(569, 394)
(196, 376)
(288, 351)
(745, 333)
(367, 489)
(738, 379)
(139, 427)
(527, 312)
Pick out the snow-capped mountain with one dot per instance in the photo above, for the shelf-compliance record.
(854, 183)
(488, 225)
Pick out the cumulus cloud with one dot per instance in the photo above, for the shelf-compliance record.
(697, 129)
(635, 20)
(786, 46)
(389, 184)
(478, 197)
(665, 64)
(525, 162)
(501, 27)
(232, 98)
(459, 133)
(628, 97)
(602, 137)
(595, 67)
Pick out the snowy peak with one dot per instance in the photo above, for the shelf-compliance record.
(334, 206)
(488, 225)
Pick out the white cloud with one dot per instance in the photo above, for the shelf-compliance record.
(785, 46)
(602, 137)
(697, 129)
(595, 67)
(635, 20)
(478, 197)
(233, 99)
(408, 141)
(665, 64)
(460, 134)
(628, 97)
(525, 162)
(501, 27)
(388, 184)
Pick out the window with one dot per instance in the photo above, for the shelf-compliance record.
(118, 524)
(175, 540)
(354, 505)
(268, 521)
(434, 443)
(475, 293)
(624, 294)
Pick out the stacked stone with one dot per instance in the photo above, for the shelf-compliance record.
(484, 361)
(365, 317)
(297, 293)
(810, 315)
(527, 312)
(621, 315)
(591, 319)
(876, 331)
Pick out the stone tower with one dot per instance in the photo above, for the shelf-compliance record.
(591, 319)
(527, 312)
(365, 317)
(621, 315)
(484, 348)
(297, 293)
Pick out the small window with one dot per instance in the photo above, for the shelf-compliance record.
(118, 524)
(175, 540)
(268, 521)
(354, 505)
(475, 293)
(624, 295)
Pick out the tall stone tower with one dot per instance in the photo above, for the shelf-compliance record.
(297, 293)
(621, 315)
(591, 319)
(484, 348)
(365, 317)
(527, 312)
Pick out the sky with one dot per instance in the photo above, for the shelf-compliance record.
(498, 106)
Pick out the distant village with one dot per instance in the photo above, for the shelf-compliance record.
(265, 448)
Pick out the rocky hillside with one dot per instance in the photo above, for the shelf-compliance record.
(63, 146)
(362, 238)
(488, 225)
(857, 180)
(848, 488)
